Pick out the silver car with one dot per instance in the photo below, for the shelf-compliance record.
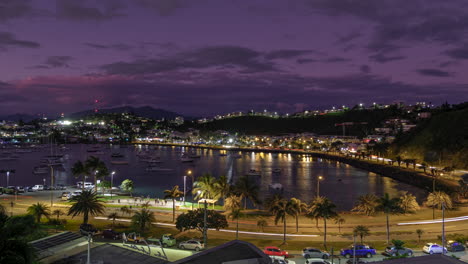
(392, 251)
(192, 244)
(314, 253)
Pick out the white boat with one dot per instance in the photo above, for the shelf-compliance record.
(185, 158)
(253, 172)
(276, 186)
(157, 169)
(194, 155)
(153, 161)
(40, 170)
(119, 162)
(236, 156)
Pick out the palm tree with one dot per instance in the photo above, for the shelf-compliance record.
(99, 168)
(221, 187)
(235, 214)
(437, 199)
(247, 189)
(143, 219)
(173, 194)
(339, 221)
(112, 216)
(261, 224)
(419, 232)
(366, 204)
(295, 208)
(58, 213)
(325, 209)
(232, 202)
(79, 169)
(408, 203)
(87, 203)
(361, 231)
(125, 210)
(205, 187)
(278, 206)
(38, 210)
(388, 206)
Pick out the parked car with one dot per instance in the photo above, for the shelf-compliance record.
(361, 250)
(357, 261)
(133, 237)
(28, 189)
(168, 240)
(317, 261)
(60, 187)
(87, 229)
(66, 196)
(455, 246)
(20, 189)
(432, 248)
(281, 260)
(76, 193)
(392, 251)
(275, 251)
(111, 234)
(192, 244)
(314, 253)
(38, 187)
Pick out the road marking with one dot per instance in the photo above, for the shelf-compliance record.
(453, 219)
(220, 230)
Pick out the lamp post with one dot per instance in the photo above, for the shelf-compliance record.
(112, 182)
(95, 181)
(185, 180)
(318, 185)
(51, 186)
(443, 228)
(8, 178)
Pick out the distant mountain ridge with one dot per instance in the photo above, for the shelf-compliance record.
(144, 111)
(18, 117)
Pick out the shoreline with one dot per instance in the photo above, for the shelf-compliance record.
(400, 174)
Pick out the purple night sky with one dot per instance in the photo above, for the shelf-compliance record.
(200, 57)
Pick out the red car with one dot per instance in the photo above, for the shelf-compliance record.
(275, 251)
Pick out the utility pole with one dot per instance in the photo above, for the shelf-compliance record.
(90, 238)
(51, 186)
(354, 248)
(205, 230)
(443, 228)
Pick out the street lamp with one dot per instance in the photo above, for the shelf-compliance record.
(318, 185)
(8, 178)
(185, 180)
(112, 181)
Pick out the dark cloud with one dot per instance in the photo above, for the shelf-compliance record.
(8, 39)
(11, 9)
(303, 61)
(397, 21)
(163, 7)
(245, 59)
(365, 69)
(434, 73)
(287, 54)
(94, 11)
(117, 46)
(336, 59)
(460, 53)
(349, 37)
(448, 64)
(383, 58)
(58, 61)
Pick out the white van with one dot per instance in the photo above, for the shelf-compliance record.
(87, 185)
(38, 187)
